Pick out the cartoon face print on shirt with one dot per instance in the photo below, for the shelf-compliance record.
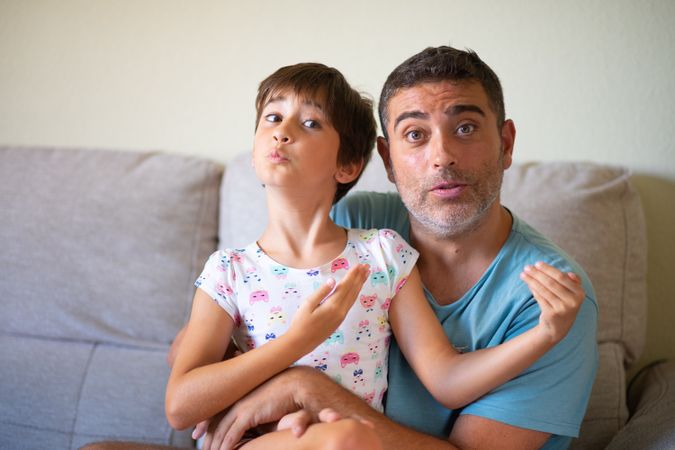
(259, 296)
(277, 316)
(280, 272)
(368, 235)
(365, 258)
(251, 275)
(377, 276)
(367, 301)
(291, 292)
(340, 263)
(404, 253)
(223, 289)
(320, 361)
(364, 330)
(337, 337)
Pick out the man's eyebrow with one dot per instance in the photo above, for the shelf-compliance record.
(458, 109)
(410, 115)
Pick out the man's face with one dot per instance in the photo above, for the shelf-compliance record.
(446, 154)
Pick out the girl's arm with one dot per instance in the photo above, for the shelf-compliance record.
(201, 385)
(456, 379)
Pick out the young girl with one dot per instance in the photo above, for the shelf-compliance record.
(309, 292)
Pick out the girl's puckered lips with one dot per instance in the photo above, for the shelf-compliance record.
(276, 157)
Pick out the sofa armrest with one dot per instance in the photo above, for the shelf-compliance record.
(651, 400)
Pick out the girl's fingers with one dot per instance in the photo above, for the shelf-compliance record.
(570, 280)
(348, 289)
(541, 294)
(558, 284)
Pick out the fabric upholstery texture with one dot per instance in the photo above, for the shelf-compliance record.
(652, 401)
(99, 252)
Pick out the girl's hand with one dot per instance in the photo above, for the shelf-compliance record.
(559, 296)
(324, 310)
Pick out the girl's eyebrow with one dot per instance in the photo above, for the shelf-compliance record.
(308, 102)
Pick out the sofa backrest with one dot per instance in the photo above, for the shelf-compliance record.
(103, 246)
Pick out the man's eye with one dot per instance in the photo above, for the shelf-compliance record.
(309, 123)
(465, 129)
(414, 135)
(272, 118)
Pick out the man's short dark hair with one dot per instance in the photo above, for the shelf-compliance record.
(349, 112)
(435, 64)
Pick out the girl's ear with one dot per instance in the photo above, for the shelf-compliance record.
(348, 172)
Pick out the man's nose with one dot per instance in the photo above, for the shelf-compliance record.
(443, 152)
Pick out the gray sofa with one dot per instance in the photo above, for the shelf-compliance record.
(99, 249)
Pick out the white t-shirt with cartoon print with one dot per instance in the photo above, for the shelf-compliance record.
(262, 295)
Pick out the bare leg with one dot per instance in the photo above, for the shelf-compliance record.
(343, 434)
(119, 445)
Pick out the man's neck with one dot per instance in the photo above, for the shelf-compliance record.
(450, 266)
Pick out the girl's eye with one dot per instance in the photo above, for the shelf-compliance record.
(272, 118)
(466, 129)
(309, 123)
(414, 135)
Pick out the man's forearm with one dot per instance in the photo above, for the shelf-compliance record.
(318, 391)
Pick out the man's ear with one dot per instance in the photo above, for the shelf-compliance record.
(348, 172)
(383, 150)
(508, 135)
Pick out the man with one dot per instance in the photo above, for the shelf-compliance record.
(446, 145)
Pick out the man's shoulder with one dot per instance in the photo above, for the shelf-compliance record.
(527, 242)
(372, 210)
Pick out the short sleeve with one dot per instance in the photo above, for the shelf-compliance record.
(556, 388)
(400, 258)
(218, 280)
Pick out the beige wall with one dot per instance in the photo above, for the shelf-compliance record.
(583, 80)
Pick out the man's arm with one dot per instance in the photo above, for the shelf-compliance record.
(306, 388)
(469, 432)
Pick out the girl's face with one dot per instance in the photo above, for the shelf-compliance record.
(295, 145)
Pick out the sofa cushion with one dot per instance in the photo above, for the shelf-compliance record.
(652, 401)
(103, 245)
(63, 394)
(593, 213)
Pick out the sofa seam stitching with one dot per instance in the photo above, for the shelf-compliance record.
(196, 239)
(625, 266)
(79, 393)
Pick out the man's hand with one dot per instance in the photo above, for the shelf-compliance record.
(298, 421)
(559, 296)
(267, 403)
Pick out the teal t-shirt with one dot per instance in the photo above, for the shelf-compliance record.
(550, 396)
